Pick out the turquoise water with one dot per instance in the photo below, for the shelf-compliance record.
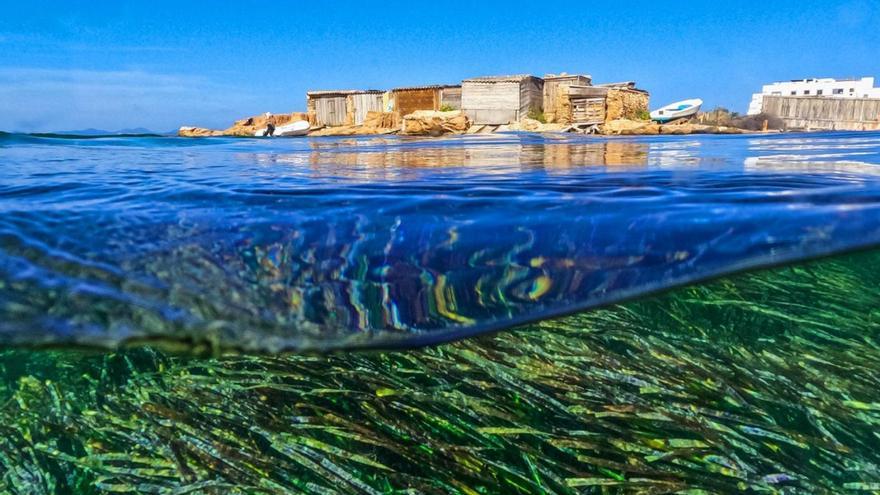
(647, 315)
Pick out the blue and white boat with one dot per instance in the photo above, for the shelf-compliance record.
(678, 110)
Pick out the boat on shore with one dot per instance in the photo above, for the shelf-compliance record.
(678, 110)
(298, 128)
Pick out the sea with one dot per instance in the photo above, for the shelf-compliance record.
(512, 313)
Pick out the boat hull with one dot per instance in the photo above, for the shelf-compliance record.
(678, 110)
(298, 128)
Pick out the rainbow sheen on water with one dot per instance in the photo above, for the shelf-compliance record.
(217, 254)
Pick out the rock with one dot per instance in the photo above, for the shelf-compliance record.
(247, 127)
(342, 130)
(688, 128)
(434, 123)
(625, 127)
(532, 125)
(244, 127)
(189, 131)
(680, 129)
(381, 121)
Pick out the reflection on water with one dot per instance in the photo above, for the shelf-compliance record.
(498, 157)
(388, 158)
(388, 241)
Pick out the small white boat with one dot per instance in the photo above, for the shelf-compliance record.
(298, 128)
(678, 110)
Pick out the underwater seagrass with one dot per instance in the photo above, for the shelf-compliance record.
(763, 382)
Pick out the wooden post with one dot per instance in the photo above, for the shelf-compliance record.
(765, 125)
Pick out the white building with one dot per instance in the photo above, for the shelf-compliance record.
(831, 88)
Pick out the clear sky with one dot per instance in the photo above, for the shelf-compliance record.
(158, 64)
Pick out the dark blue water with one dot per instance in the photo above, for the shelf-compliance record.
(327, 243)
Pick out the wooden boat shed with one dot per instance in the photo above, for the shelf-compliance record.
(556, 95)
(499, 100)
(601, 103)
(342, 107)
(404, 101)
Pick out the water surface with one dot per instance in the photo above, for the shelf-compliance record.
(269, 245)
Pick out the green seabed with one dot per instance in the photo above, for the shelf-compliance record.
(763, 382)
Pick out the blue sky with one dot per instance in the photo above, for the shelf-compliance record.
(76, 64)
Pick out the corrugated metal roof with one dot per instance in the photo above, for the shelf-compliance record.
(343, 92)
(497, 79)
(430, 86)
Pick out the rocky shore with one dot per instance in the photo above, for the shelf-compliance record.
(438, 123)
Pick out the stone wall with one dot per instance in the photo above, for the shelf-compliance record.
(624, 103)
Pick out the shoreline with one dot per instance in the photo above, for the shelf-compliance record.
(438, 123)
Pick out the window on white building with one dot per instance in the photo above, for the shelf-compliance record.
(807, 92)
(794, 93)
(838, 91)
(820, 92)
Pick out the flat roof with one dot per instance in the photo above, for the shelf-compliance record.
(495, 79)
(343, 92)
(566, 76)
(429, 86)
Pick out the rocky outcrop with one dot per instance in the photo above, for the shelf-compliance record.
(532, 125)
(247, 127)
(381, 121)
(688, 128)
(244, 127)
(189, 131)
(435, 123)
(624, 127)
(375, 123)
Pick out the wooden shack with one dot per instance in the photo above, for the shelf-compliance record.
(556, 98)
(342, 107)
(586, 105)
(404, 101)
(601, 103)
(500, 100)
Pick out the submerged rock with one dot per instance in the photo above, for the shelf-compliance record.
(434, 123)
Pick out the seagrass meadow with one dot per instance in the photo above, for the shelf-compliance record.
(764, 382)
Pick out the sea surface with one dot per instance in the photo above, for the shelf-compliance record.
(512, 313)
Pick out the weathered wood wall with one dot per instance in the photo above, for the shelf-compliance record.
(843, 114)
(451, 97)
(329, 110)
(531, 96)
(407, 101)
(493, 103)
(361, 103)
